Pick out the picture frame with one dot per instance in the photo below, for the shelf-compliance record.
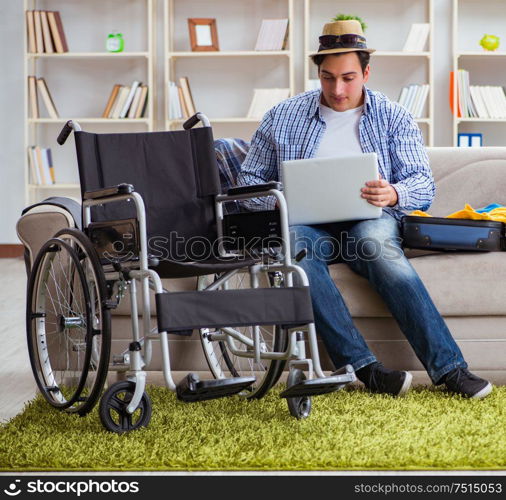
(203, 34)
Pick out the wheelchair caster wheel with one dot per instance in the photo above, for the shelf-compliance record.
(300, 407)
(113, 408)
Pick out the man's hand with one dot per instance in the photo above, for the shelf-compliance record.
(379, 193)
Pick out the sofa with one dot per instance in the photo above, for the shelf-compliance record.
(469, 289)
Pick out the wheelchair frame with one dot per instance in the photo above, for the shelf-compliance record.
(140, 350)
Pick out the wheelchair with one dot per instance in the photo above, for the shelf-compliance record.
(252, 306)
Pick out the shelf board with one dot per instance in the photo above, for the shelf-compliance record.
(76, 55)
(234, 53)
(399, 53)
(392, 53)
(481, 54)
(257, 120)
(89, 120)
(54, 186)
(471, 120)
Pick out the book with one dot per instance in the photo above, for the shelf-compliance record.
(46, 97)
(476, 140)
(46, 33)
(501, 101)
(51, 165)
(471, 108)
(454, 96)
(265, 99)
(30, 32)
(40, 166)
(272, 34)
(184, 108)
(114, 103)
(143, 102)
(187, 95)
(175, 104)
(466, 140)
(417, 37)
(410, 97)
(33, 97)
(463, 140)
(32, 163)
(423, 98)
(489, 101)
(416, 101)
(56, 32)
(135, 102)
(489, 105)
(402, 96)
(39, 40)
(46, 165)
(128, 101)
(110, 101)
(478, 101)
(120, 101)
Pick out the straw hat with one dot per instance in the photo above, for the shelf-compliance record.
(338, 28)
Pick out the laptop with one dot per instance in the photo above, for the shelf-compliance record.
(323, 190)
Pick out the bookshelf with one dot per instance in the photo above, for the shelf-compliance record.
(80, 80)
(222, 82)
(471, 19)
(391, 68)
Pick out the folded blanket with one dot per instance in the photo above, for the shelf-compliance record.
(494, 212)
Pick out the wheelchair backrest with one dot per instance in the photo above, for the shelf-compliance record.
(175, 172)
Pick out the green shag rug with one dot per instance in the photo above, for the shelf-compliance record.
(352, 429)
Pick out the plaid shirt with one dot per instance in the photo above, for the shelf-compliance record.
(230, 154)
(294, 128)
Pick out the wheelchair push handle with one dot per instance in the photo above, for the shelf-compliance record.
(66, 130)
(191, 122)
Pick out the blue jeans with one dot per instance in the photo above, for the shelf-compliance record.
(372, 248)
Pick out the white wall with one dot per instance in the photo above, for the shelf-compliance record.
(96, 18)
(12, 190)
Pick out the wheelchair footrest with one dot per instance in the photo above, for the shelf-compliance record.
(191, 388)
(318, 386)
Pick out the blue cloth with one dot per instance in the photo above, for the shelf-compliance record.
(293, 130)
(372, 249)
(488, 208)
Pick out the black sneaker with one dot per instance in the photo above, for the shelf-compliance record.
(381, 380)
(463, 382)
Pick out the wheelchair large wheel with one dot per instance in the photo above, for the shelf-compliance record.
(223, 363)
(68, 326)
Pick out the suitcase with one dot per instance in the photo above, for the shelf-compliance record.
(439, 233)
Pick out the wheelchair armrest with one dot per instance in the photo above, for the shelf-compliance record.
(255, 188)
(120, 189)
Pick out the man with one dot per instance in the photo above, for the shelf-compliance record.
(346, 117)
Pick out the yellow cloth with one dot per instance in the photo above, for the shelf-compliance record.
(497, 214)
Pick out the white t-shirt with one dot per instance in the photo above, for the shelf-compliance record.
(341, 135)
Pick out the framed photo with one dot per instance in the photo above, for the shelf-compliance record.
(203, 34)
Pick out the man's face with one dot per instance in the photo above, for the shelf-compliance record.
(342, 81)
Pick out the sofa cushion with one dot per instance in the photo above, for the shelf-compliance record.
(460, 284)
(467, 175)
